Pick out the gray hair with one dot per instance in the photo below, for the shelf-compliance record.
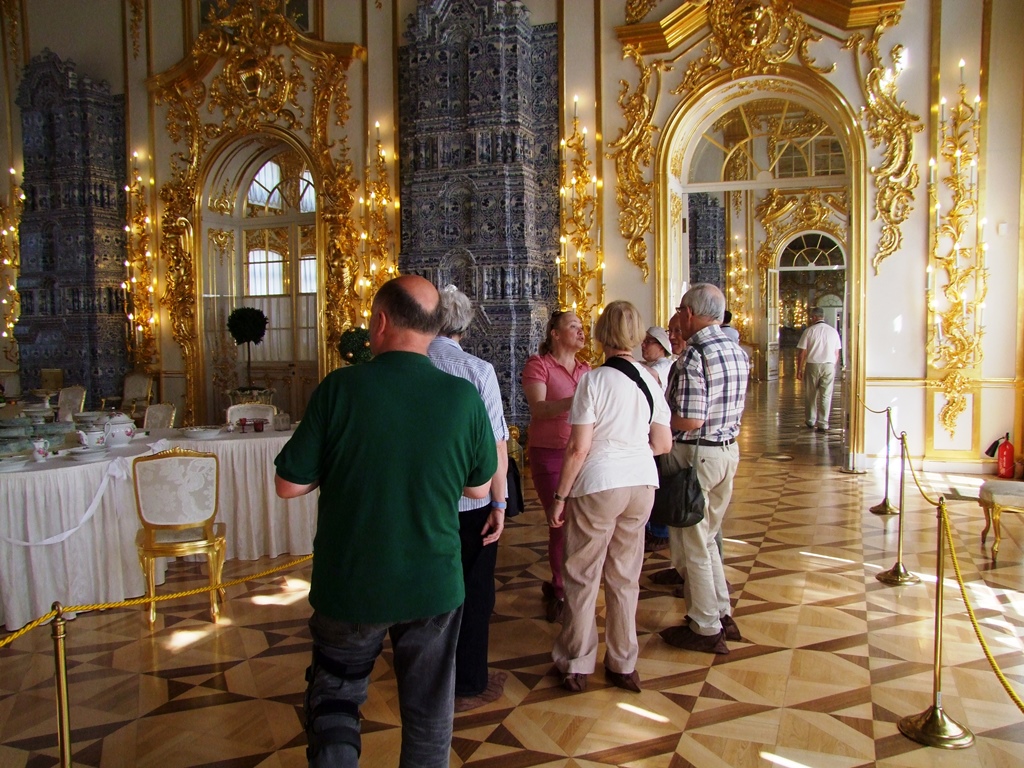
(456, 312)
(705, 300)
(818, 312)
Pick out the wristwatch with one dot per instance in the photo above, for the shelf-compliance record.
(559, 498)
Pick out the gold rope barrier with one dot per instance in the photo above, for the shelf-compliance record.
(898, 575)
(146, 599)
(884, 507)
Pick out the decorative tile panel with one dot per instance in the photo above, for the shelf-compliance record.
(478, 116)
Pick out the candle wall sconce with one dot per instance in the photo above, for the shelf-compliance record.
(580, 262)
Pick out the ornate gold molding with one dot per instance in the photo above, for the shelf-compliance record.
(637, 9)
(135, 25)
(11, 10)
(891, 124)
(633, 150)
(10, 266)
(255, 88)
(783, 216)
(754, 38)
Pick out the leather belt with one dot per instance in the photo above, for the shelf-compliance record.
(712, 443)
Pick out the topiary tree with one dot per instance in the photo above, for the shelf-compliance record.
(247, 325)
(354, 346)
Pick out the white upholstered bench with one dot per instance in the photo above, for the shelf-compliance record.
(995, 497)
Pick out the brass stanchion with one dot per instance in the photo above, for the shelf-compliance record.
(933, 727)
(58, 631)
(898, 574)
(884, 507)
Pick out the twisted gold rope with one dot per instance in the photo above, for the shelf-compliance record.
(146, 600)
(870, 409)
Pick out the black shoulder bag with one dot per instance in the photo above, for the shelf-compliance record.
(679, 500)
(630, 370)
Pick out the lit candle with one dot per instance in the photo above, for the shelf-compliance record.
(584, 137)
(558, 268)
(575, 106)
(962, 63)
(974, 165)
(977, 108)
(942, 109)
(377, 126)
(931, 170)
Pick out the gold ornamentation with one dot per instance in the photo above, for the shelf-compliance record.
(578, 192)
(675, 165)
(224, 202)
(378, 264)
(253, 88)
(957, 276)
(637, 9)
(135, 25)
(891, 124)
(140, 280)
(738, 290)
(10, 267)
(222, 243)
(11, 10)
(783, 216)
(756, 37)
(633, 150)
(675, 210)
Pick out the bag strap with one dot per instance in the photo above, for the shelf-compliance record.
(630, 370)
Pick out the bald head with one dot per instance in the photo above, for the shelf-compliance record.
(406, 315)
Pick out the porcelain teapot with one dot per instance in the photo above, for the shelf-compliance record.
(91, 437)
(118, 428)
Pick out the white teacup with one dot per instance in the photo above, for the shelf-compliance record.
(40, 449)
(92, 437)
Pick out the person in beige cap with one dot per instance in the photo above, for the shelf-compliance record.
(657, 353)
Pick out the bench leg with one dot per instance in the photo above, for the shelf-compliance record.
(988, 521)
(997, 512)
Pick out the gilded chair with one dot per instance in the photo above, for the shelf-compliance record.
(176, 498)
(252, 411)
(70, 401)
(159, 416)
(138, 391)
(996, 497)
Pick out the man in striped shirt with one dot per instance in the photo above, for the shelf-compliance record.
(706, 393)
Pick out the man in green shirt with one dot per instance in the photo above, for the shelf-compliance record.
(392, 444)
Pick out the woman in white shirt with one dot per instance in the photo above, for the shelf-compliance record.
(604, 497)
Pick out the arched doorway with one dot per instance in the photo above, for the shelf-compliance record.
(771, 161)
(258, 230)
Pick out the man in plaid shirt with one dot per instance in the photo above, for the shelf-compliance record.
(706, 392)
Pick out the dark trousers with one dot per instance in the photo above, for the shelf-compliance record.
(478, 573)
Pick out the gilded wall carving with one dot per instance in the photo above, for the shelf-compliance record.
(891, 124)
(261, 65)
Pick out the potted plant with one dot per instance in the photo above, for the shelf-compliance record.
(354, 346)
(247, 325)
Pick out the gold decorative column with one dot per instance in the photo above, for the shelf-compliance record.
(377, 262)
(738, 290)
(140, 279)
(580, 263)
(10, 265)
(957, 277)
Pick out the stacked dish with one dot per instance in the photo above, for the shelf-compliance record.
(87, 418)
(208, 432)
(87, 454)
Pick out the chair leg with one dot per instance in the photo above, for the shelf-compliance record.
(997, 512)
(211, 566)
(988, 521)
(221, 552)
(149, 568)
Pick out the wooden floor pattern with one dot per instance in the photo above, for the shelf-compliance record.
(832, 658)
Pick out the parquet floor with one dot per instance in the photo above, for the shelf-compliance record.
(832, 658)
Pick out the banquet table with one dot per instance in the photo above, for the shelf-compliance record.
(67, 529)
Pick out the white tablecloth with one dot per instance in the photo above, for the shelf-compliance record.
(98, 562)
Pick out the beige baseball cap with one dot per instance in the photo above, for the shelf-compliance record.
(661, 335)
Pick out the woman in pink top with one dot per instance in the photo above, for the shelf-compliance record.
(549, 383)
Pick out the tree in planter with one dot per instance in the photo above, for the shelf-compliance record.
(247, 325)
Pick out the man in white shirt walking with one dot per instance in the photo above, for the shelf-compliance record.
(816, 360)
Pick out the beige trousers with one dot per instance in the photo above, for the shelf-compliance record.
(604, 535)
(694, 550)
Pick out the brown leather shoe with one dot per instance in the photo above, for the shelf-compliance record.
(495, 688)
(654, 543)
(732, 632)
(667, 577)
(686, 638)
(626, 681)
(575, 682)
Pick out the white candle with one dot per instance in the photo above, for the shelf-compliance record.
(938, 329)
(575, 106)
(962, 64)
(931, 170)
(942, 109)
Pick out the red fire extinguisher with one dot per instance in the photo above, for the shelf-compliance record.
(1004, 458)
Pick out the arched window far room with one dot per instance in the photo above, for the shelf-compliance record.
(762, 197)
(261, 251)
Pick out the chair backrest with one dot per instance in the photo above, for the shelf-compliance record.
(252, 411)
(176, 489)
(138, 389)
(159, 416)
(51, 379)
(70, 401)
